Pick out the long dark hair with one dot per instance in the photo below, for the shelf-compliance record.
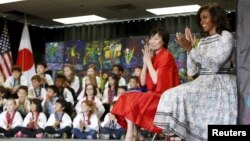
(163, 33)
(37, 102)
(67, 105)
(116, 78)
(94, 89)
(218, 16)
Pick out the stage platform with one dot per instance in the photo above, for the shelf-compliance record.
(30, 139)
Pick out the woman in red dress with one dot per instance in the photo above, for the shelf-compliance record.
(159, 73)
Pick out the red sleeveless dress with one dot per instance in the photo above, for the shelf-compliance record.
(140, 107)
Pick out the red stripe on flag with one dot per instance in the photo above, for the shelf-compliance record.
(5, 67)
(2, 73)
(5, 53)
(6, 60)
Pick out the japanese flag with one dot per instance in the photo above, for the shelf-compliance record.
(25, 56)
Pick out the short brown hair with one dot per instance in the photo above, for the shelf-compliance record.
(16, 68)
(92, 66)
(25, 88)
(36, 77)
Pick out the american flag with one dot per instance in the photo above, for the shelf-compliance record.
(5, 54)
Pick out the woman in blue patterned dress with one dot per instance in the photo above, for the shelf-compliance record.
(211, 98)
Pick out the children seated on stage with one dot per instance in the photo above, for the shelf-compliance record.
(69, 72)
(137, 71)
(10, 120)
(92, 70)
(121, 90)
(134, 84)
(90, 79)
(118, 70)
(49, 102)
(35, 121)
(85, 125)
(63, 92)
(59, 123)
(90, 94)
(110, 93)
(36, 90)
(74, 94)
(14, 81)
(110, 129)
(22, 103)
(41, 69)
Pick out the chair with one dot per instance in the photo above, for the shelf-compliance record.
(154, 137)
(166, 137)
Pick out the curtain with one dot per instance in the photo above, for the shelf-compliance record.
(243, 60)
(129, 28)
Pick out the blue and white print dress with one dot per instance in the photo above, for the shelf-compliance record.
(210, 99)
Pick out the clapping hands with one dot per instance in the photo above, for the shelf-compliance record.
(186, 41)
(147, 54)
(82, 124)
(57, 124)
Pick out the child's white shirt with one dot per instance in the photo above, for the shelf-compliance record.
(122, 82)
(98, 104)
(66, 121)
(107, 122)
(83, 117)
(68, 96)
(17, 120)
(32, 92)
(105, 96)
(75, 84)
(9, 83)
(49, 79)
(41, 121)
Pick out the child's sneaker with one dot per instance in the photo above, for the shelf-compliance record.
(104, 136)
(48, 136)
(2, 135)
(123, 137)
(19, 135)
(40, 135)
(56, 135)
(65, 136)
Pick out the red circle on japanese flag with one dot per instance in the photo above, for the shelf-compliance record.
(25, 59)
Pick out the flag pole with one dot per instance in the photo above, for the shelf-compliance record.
(23, 55)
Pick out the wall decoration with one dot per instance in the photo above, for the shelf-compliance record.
(105, 53)
(55, 66)
(74, 51)
(180, 58)
(54, 52)
(132, 52)
(93, 54)
(111, 53)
